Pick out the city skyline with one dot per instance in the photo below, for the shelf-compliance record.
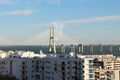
(86, 21)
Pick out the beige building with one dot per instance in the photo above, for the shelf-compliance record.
(117, 74)
(110, 69)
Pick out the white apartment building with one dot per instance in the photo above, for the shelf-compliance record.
(62, 67)
(31, 66)
(22, 68)
(88, 69)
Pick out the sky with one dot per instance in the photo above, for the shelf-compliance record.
(86, 21)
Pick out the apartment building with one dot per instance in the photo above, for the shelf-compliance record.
(110, 69)
(88, 68)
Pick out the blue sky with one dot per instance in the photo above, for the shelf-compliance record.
(87, 21)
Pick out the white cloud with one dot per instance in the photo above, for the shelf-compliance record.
(18, 12)
(27, 1)
(93, 19)
(78, 21)
(4, 1)
(31, 1)
(56, 1)
(61, 1)
(50, 1)
(7, 1)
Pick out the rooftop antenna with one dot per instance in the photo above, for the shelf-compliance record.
(52, 48)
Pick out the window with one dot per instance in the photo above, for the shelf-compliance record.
(68, 62)
(68, 72)
(52, 72)
(90, 61)
(63, 73)
(23, 62)
(90, 76)
(63, 63)
(32, 76)
(55, 69)
(90, 66)
(63, 78)
(73, 67)
(68, 67)
(26, 77)
(83, 61)
(83, 72)
(90, 71)
(32, 66)
(37, 62)
(32, 61)
(37, 76)
(52, 78)
(63, 68)
(75, 62)
(68, 78)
